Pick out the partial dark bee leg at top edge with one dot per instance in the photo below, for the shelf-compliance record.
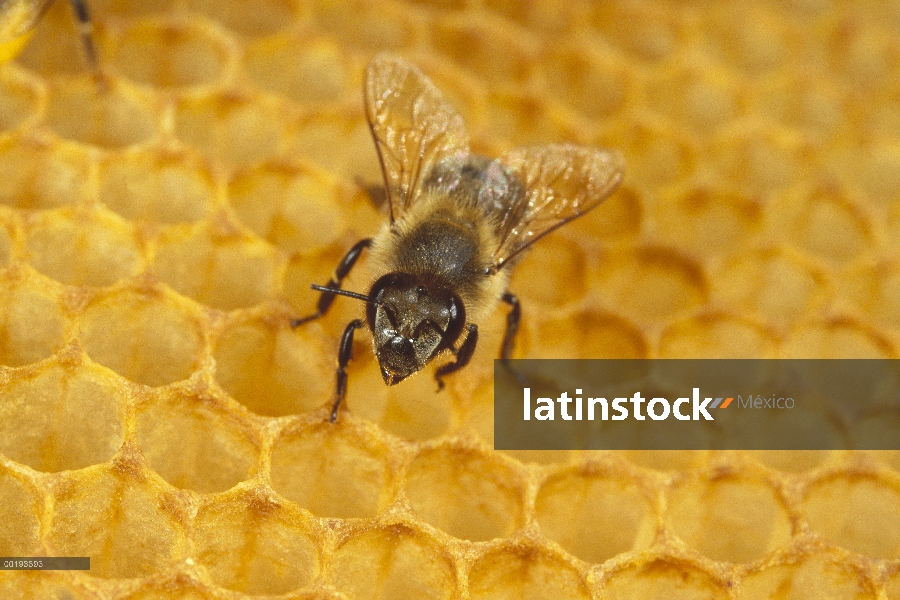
(509, 337)
(345, 353)
(86, 31)
(463, 355)
(343, 269)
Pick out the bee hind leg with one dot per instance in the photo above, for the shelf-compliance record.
(345, 354)
(463, 355)
(342, 270)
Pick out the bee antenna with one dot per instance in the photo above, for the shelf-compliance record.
(340, 292)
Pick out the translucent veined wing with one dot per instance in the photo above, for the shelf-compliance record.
(413, 125)
(561, 182)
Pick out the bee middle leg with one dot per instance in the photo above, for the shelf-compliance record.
(463, 355)
(345, 354)
(509, 337)
(512, 326)
(342, 270)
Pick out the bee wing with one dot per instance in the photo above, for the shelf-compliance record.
(414, 126)
(561, 182)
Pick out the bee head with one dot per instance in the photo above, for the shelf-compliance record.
(411, 321)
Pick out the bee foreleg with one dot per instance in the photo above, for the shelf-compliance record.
(345, 353)
(463, 355)
(343, 269)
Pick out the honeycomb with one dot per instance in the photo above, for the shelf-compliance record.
(160, 226)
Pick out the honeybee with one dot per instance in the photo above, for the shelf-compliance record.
(19, 17)
(458, 223)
